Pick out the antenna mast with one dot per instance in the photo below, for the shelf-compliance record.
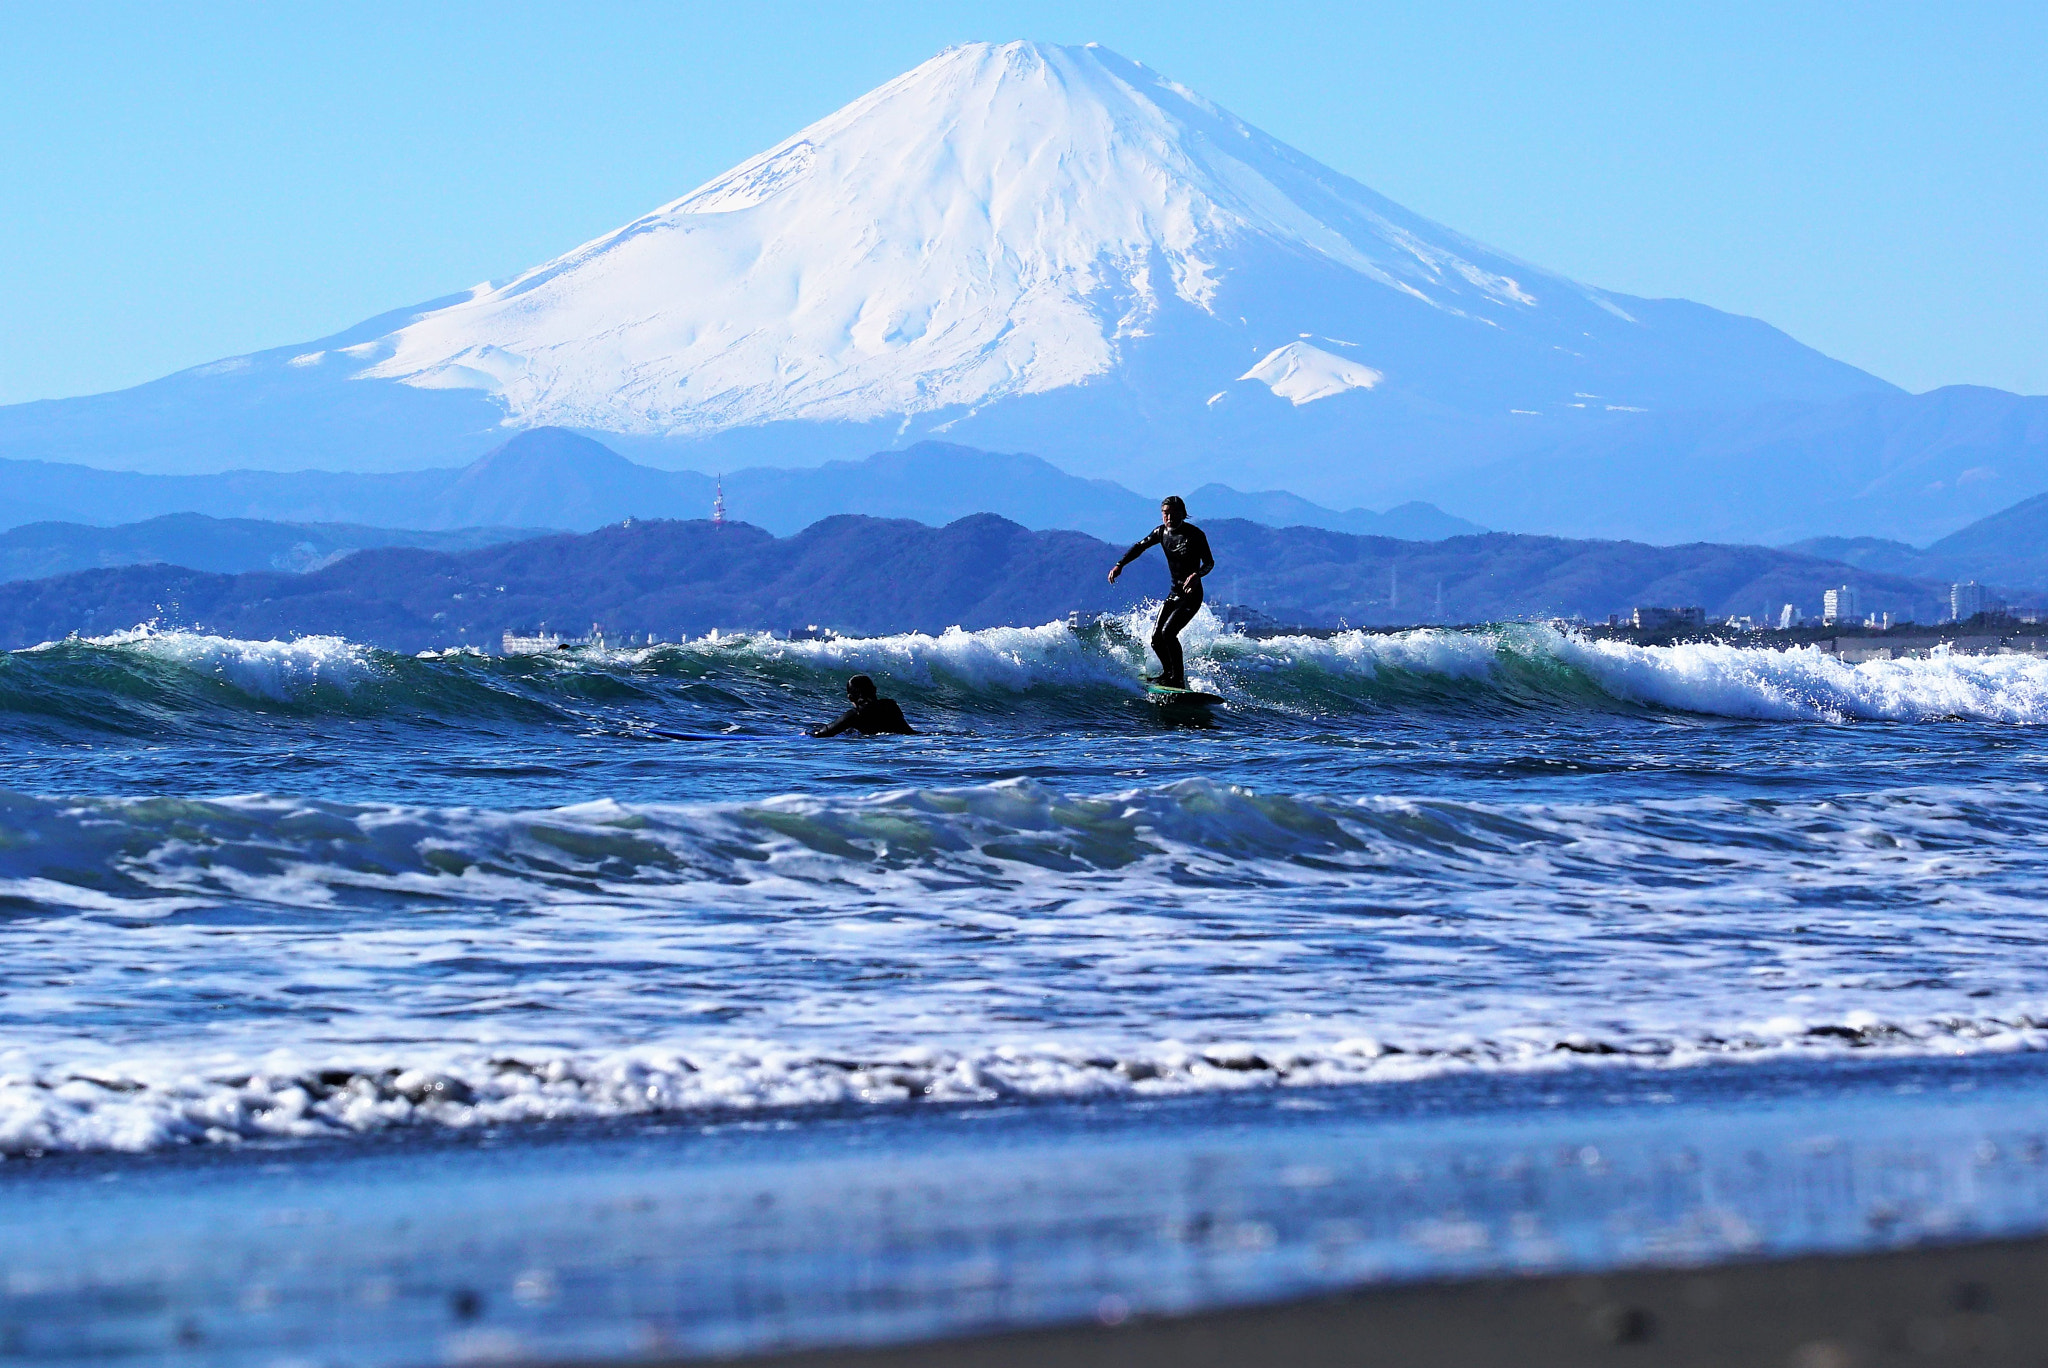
(718, 505)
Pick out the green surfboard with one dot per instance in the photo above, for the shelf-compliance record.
(1180, 698)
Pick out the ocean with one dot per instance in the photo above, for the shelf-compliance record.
(1416, 908)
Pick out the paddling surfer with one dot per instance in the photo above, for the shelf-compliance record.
(870, 714)
(1187, 560)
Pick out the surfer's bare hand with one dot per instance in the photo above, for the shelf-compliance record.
(1114, 571)
(1189, 587)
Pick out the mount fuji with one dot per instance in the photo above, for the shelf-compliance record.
(1011, 247)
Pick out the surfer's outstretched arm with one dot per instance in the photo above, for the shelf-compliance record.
(1138, 548)
(844, 724)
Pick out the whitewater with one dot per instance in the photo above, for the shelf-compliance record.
(278, 891)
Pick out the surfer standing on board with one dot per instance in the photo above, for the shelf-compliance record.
(1187, 560)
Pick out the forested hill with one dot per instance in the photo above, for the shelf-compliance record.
(665, 578)
(872, 575)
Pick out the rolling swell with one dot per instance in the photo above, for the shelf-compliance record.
(376, 965)
(168, 854)
(147, 682)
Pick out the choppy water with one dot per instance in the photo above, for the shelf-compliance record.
(288, 889)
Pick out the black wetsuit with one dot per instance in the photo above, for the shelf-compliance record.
(1187, 554)
(874, 717)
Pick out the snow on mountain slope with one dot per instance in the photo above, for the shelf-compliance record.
(1302, 374)
(1002, 220)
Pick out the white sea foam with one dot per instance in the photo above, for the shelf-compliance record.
(139, 1104)
(1702, 677)
(184, 969)
(1710, 678)
(378, 965)
(1736, 681)
(1450, 654)
(1012, 659)
(1003, 659)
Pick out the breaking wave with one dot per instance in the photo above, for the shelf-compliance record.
(146, 1107)
(367, 966)
(147, 681)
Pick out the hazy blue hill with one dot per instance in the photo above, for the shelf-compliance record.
(1880, 554)
(1414, 521)
(1320, 576)
(871, 575)
(937, 483)
(1907, 467)
(2009, 548)
(551, 477)
(227, 545)
(554, 478)
(44, 491)
(260, 410)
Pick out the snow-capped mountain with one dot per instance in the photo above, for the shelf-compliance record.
(1012, 220)
(1016, 247)
(1004, 220)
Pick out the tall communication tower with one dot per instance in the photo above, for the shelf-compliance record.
(718, 505)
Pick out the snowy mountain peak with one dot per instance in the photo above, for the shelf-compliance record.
(1006, 219)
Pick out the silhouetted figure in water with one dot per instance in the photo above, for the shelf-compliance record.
(869, 715)
(1187, 560)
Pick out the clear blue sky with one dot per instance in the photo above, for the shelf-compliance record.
(182, 183)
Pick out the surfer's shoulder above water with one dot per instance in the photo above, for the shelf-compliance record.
(870, 715)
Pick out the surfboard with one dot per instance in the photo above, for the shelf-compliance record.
(1180, 698)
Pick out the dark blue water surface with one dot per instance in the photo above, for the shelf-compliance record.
(313, 896)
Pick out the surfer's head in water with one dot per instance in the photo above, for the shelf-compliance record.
(870, 715)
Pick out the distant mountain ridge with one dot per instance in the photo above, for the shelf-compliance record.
(224, 545)
(1909, 467)
(873, 575)
(553, 478)
(2008, 550)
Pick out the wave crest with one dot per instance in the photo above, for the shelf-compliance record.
(280, 670)
(1025, 673)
